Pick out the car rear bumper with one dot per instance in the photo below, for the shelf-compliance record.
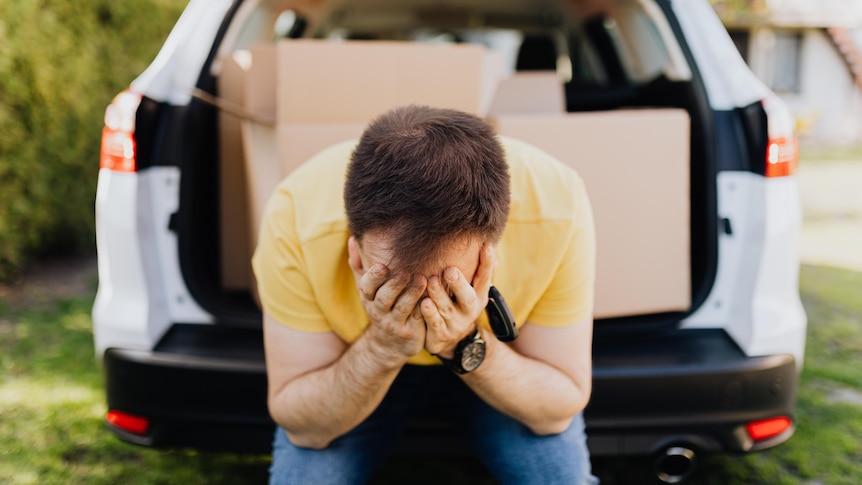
(690, 387)
(205, 386)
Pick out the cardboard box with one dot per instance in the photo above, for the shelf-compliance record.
(234, 204)
(260, 141)
(352, 82)
(635, 164)
(326, 92)
(297, 142)
(529, 92)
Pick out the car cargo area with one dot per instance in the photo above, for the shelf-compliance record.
(607, 90)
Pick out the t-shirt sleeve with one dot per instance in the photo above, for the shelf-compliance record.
(569, 298)
(283, 283)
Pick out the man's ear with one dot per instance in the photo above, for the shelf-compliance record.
(354, 259)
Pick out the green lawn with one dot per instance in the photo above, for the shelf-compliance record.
(51, 408)
(814, 154)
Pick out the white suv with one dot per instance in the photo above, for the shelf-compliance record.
(176, 322)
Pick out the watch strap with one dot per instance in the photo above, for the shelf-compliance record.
(455, 363)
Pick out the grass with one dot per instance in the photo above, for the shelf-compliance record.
(809, 154)
(52, 403)
(827, 445)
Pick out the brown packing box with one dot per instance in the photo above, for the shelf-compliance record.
(260, 141)
(327, 92)
(635, 164)
(354, 81)
(297, 142)
(529, 92)
(234, 203)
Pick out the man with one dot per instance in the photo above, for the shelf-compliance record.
(374, 264)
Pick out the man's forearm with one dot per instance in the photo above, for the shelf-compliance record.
(324, 404)
(535, 393)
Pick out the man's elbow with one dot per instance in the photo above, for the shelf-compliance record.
(551, 428)
(560, 423)
(308, 441)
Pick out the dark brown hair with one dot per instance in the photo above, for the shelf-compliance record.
(427, 177)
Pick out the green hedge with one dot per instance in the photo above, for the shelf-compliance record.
(61, 63)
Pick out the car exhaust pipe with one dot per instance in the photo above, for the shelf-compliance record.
(675, 464)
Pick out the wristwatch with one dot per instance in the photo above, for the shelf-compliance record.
(469, 354)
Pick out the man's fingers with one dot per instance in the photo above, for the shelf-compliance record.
(465, 295)
(438, 335)
(433, 320)
(439, 296)
(406, 303)
(487, 263)
(372, 280)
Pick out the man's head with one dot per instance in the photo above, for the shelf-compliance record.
(427, 180)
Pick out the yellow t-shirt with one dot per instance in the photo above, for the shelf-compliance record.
(546, 257)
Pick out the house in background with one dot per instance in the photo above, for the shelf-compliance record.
(810, 53)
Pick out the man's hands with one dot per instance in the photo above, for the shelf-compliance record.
(403, 321)
(397, 330)
(449, 319)
(392, 305)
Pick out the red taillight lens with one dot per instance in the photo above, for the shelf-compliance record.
(782, 157)
(128, 422)
(118, 137)
(782, 150)
(118, 150)
(768, 428)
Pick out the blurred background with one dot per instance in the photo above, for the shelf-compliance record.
(61, 63)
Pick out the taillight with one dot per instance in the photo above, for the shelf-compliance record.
(782, 149)
(118, 136)
(768, 428)
(782, 157)
(128, 422)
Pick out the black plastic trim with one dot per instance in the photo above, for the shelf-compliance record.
(754, 119)
(146, 123)
(743, 132)
(159, 134)
(646, 392)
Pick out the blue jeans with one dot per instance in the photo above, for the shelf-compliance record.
(512, 453)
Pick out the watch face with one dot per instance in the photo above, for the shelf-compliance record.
(473, 355)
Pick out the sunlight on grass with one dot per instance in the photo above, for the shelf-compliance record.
(52, 405)
(25, 392)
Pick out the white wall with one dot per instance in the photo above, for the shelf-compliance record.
(828, 107)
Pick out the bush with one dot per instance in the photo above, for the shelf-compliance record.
(61, 63)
